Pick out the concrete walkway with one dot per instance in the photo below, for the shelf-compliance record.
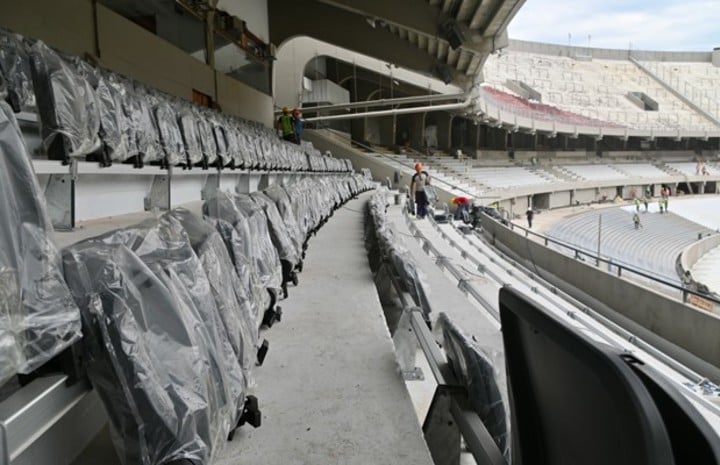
(330, 389)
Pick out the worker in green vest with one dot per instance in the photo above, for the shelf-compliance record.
(286, 125)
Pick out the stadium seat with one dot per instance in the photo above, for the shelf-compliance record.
(574, 400)
(38, 318)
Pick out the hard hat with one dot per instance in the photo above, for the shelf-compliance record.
(285, 109)
(296, 111)
(418, 166)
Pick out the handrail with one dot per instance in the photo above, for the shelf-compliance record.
(619, 264)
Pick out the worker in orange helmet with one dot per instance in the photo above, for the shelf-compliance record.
(420, 180)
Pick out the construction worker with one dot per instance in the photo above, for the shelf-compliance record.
(661, 204)
(286, 125)
(298, 124)
(637, 204)
(646, 201)
(417, 189)
(636, 220)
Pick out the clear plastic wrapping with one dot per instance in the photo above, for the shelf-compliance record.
(207, 140)
(277, 194)
(481, 369)
(262, 249)
(38, 318)
(158, 351)
(114, 127)
(234, 228)
(148, 137)
(15, 67)
(67, 104)
(170, 138)
(231, 295)
(189, 131)
(279, 232)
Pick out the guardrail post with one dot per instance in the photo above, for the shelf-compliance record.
(441, 430)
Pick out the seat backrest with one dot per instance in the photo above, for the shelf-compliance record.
(38, 318)
(693, 439)
(15, 66)
(574, 401)
(67, 105)
(478, 372)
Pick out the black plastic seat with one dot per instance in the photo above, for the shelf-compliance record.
(575, 401)
(480, 372)
(67, 105)
(38, 317)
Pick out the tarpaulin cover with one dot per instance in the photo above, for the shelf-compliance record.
(234, 228)
(67, 103)
(262, 249)
(158, 351)
(15, 67)
(38, 318)
(482, 370)
(279, 232)
(231, 295)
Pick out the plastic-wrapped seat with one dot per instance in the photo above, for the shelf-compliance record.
(235, 228)
(189, 130)
(113, 121)
(67, 105)
(158, 352)
(38, 318)
(146, 126)
(170, 137)
(278, 194)
(231, 296)
(15, 66)
(207, 140)
(482, 372)
(287, 250)
(262, 251)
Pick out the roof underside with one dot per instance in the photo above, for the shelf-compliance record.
(409, 33)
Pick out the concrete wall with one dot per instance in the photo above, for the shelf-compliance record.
(128, 49)
(694, 252)
(682, 326)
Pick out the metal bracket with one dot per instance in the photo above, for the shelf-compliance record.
(211, 187)
(159, 195)
(48, 422)
(406, 345)
(60, 200)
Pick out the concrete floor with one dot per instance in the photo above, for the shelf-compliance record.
(331, 390)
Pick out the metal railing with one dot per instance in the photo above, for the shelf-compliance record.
(613, 265)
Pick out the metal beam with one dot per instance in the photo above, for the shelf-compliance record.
(397, 111)
(384, 102)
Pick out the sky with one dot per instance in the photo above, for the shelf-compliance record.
(670, 25)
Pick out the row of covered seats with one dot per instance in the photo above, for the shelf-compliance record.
(472, 367)
(89, 113)
(165, 315)
(172, 310)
